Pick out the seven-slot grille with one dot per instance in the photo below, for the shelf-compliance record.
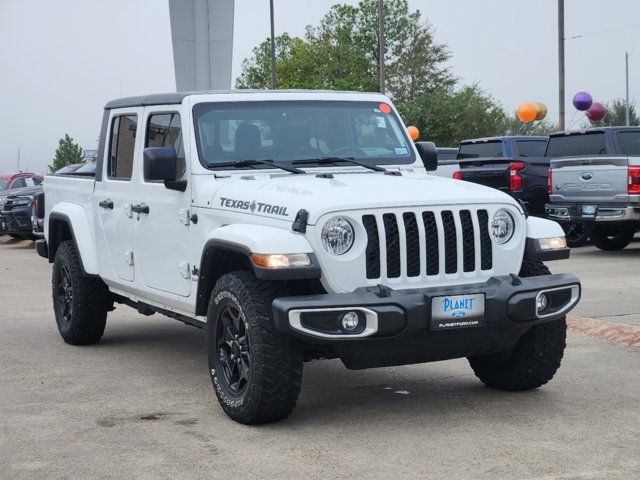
(427, 243)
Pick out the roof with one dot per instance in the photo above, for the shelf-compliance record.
(621, 128)
(175, 98)
(505, 137)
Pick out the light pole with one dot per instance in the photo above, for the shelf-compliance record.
(561, 63)
(626, 103)
(274, 85)
(381, 54)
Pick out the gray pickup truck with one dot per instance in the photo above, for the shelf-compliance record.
(594, 178)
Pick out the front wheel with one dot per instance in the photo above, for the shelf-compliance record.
(256, 371)
(535, 358)
(613, 237)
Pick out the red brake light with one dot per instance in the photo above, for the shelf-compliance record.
(549, 183)
(457, 175)
(634, 180)
(515, 180)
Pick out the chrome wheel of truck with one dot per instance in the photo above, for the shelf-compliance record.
(534, 360)
(256, 371)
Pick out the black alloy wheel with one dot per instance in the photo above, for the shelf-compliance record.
(64, 291)
(234, 355)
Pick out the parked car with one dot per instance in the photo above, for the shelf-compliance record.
(594, 180)
(447, 162)
(260, 217)
(515, 165)
(12, 181)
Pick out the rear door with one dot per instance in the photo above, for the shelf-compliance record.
(112, 199)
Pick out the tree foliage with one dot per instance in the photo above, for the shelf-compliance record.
(342, 53)
(616, 115)
(68, 152)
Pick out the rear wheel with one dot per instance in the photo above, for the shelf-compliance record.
(612, 237)
(256, 371)
(576, 233)
(535, 358)
(80, 302)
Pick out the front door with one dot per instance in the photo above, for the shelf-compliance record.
(161, 234)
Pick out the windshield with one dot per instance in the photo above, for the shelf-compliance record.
(286, 131)
(530, 148)
(480, 150)
(630, 142)
(592, 143)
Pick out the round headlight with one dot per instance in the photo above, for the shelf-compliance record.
(337, 236)
(502, 226)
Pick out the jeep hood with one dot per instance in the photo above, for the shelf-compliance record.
(282, 196)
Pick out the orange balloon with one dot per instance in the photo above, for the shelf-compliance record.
(541, 110)
(414, 133)
(527, 112)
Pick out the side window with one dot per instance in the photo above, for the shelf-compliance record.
(121, 147)
(165, 130)
(18, 183)
(36, 180)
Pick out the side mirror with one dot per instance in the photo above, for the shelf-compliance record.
(428, 154)
(161, 163)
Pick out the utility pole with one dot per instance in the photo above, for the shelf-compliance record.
(561, 63)
(18, 159)
(381, 22)
(274, 85)
(626, 104)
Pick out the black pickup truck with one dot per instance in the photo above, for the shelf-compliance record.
(514, 164)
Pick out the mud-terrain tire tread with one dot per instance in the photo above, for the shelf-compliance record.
(535, 358)
(276, 359)
(90, 299)
(604, 241)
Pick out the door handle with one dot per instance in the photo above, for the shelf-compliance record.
(140, 208)
(106, 204)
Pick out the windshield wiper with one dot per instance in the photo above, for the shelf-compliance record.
(249, 163)
(325, 160)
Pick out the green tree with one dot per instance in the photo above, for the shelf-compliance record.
(67, 153)
(616, 115)
(342, 53)
(515, 126)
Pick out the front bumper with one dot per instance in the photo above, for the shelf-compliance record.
(399, 327)
(16, 221)
(592, 212)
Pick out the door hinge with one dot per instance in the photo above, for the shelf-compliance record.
(183, 268)
(184, 217)
(128, 257)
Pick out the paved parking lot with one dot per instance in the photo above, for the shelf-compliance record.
(140, 405)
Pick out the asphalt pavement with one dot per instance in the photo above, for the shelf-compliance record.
(140, 403)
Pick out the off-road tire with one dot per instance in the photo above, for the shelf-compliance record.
(268, 389)
(576, 233)
(535, 358)
(607, 237)
(80, 302)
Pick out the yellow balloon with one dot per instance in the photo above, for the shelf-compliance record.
(541, 110)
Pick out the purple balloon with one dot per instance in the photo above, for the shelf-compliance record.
(596, 112)
(582, 101)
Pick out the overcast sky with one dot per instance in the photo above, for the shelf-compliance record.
(63, 60)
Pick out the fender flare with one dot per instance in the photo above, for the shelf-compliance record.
(242, 240)
(75, 217)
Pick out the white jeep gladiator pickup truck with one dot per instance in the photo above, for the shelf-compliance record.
(297, 225)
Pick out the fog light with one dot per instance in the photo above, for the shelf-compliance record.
(541, 303)
(350, 321)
